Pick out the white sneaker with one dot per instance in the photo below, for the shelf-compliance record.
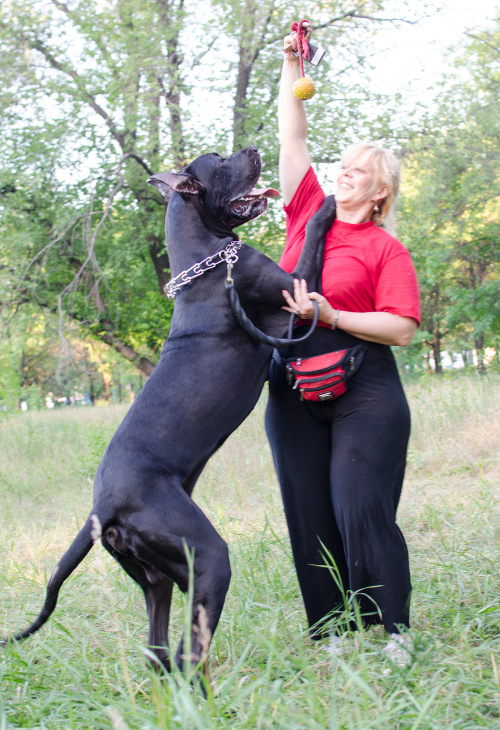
(397, 649)
(337, 645)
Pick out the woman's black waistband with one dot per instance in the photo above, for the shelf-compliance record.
(321, 341)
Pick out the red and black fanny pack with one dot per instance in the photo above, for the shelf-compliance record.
(324, 377)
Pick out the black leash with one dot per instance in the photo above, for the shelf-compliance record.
(256, 333)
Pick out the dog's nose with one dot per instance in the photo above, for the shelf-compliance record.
(252, 148)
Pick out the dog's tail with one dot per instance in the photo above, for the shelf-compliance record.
(78, 549)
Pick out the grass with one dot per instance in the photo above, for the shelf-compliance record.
(86, 668)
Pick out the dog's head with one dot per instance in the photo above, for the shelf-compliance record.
(221, 188)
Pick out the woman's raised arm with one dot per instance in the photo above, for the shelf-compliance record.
(295, 159)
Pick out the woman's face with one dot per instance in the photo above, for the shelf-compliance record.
(357, 184)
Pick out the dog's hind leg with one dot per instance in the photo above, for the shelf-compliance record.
(210, 576)
(158, 537)
(158, 600)
(157, 590)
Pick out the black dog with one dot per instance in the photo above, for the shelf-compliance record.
(208, 379)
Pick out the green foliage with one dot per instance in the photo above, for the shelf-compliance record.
(90, 106)
(450, 214)
(96, 96)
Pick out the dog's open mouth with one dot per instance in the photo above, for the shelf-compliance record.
(252, 204)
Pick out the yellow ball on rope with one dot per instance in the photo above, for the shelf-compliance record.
(304, 88)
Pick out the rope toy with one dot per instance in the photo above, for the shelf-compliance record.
(304, 87)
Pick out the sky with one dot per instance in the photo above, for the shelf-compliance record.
(416, 57)
(418, 54)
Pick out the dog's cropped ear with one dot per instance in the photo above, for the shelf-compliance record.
(181, 182)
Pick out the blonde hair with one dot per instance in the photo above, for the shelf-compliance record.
(387, 172)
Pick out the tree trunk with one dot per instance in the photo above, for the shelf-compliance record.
(159, 257)
(90, 375)
(244, 71)
(246, 59)
(172, 21)
(479, 345)
(174, 102)
(436, 350)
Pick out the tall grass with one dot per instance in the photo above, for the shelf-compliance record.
(86, 668)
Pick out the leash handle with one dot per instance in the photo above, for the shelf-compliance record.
(303, 35)
(256, 333)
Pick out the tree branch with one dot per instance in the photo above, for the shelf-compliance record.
(80, 84)
(107, 336)
(96, 37)
(354, 14)
(90, 253)
(482, 40)
(138, 159)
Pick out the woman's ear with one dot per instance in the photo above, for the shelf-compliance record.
(381, 193)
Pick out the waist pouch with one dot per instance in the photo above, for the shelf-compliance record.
(324, 377)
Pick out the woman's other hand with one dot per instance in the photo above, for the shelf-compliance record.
(301, 304)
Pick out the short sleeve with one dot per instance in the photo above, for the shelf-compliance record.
(306, 201)
(397, 288)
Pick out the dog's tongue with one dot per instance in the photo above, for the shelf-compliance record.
(264, 193)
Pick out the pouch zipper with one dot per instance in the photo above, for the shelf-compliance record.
(319, 387)
(322, 378)
(294, 368)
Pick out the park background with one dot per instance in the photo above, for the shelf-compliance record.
(95, 96)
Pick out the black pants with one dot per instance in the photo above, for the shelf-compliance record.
(341, 465)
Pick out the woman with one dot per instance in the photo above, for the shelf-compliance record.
(341, 463)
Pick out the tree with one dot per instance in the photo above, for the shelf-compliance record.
(95, 99)
(115, 106)
(451, 207)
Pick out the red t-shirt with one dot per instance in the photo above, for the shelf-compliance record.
(365, 269)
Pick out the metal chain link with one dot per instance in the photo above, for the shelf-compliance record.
(228, 254)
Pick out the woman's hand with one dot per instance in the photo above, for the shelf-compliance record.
(290, 43)
(382, 327)
(301, 305)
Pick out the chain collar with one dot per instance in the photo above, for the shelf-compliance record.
(227, 254)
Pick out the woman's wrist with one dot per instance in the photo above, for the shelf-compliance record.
(335, 319)
(291, 67)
